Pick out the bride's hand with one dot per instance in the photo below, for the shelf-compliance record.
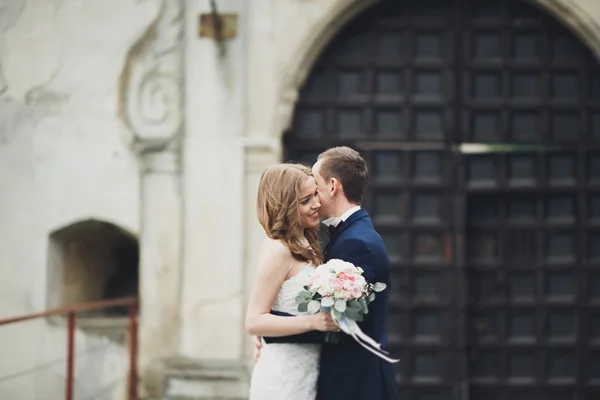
(258, 345)
(322, 321)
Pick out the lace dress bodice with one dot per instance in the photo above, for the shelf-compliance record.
(285, 301)
(287, 370)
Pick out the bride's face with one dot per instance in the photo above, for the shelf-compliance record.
(308, 209)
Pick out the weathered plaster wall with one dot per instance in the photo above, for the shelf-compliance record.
(64, 156)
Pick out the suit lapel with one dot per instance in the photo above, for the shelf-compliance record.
(360, 214)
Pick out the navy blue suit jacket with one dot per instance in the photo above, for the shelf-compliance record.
(348, 371)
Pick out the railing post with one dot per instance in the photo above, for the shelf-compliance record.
(70, 356)
(71, 311)
(133, 311)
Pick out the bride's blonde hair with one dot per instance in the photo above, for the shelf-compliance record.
(277, 203)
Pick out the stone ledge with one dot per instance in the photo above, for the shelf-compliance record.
(187, 379)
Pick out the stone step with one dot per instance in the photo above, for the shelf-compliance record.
(187, 379)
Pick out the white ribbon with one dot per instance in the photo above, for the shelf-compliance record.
(351, 328)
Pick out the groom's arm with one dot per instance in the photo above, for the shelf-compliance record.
(308, 337)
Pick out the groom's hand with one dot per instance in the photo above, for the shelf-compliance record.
(258, 344)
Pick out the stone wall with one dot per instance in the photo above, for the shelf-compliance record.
(65, 156)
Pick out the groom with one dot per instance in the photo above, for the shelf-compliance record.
(347, 370)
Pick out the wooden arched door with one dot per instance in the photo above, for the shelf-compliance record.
(480, 121)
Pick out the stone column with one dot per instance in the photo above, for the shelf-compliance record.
(160, 265)
(152, 108)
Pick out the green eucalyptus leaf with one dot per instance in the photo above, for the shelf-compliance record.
(371, 297)
(336, 314)
(305, 294)
(327, 302)
(300, 299)
(361, 317)
(340, 305)
(379, 287)
(303, 307)
(355, 305)
(313, 307)
(352, 314)
(364, 305)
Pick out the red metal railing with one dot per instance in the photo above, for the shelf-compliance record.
(70, 311)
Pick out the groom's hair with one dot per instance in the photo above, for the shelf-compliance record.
(347, 166)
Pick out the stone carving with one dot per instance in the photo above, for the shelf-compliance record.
(151, 87)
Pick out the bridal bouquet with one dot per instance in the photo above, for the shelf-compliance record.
(339, 286)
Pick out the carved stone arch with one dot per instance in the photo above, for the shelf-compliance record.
(574, 17)
(306, 54)
(317, 37)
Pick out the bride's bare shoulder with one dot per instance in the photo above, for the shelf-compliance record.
(274, 254)
(275, 247)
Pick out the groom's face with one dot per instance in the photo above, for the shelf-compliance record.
(324, 188)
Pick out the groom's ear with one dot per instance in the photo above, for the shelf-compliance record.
(335, 186)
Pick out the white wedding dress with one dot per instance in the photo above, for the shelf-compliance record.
(287, 371)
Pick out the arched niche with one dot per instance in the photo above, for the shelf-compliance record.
(92, 260)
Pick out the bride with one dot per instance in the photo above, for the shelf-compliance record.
(288, 210)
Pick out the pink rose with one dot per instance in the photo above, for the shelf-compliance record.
(345, 277)
(337, 284)
(347, 294)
